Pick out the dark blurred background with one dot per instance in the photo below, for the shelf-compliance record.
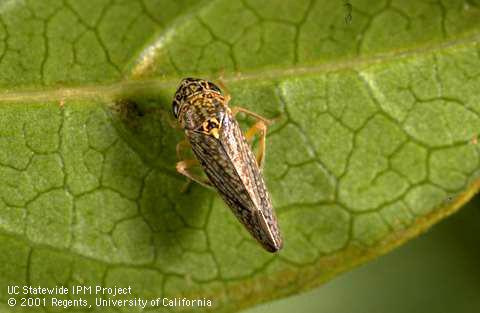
(438, 272)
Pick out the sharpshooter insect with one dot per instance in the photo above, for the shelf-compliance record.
(226, 157)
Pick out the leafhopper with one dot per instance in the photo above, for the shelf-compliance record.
(226, 157)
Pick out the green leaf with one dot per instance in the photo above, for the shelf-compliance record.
(374, 139)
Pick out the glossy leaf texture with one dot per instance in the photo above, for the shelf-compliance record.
(374, 140)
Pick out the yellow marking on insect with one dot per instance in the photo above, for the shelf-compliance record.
(214, 132)
(211, 127)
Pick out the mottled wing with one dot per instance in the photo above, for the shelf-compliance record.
(232, 168)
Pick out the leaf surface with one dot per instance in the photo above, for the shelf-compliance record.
(374, 140)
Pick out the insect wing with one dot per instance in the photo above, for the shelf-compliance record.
(232, 168)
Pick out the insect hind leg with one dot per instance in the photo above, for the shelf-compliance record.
(258, 128)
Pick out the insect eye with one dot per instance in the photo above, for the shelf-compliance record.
(175, 108)
(214, 87)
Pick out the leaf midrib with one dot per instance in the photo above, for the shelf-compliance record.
(108, 92)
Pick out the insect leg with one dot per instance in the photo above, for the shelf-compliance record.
(226, 92)
(258, 127)
(180, 147)
(182, 168)
(236, 110)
